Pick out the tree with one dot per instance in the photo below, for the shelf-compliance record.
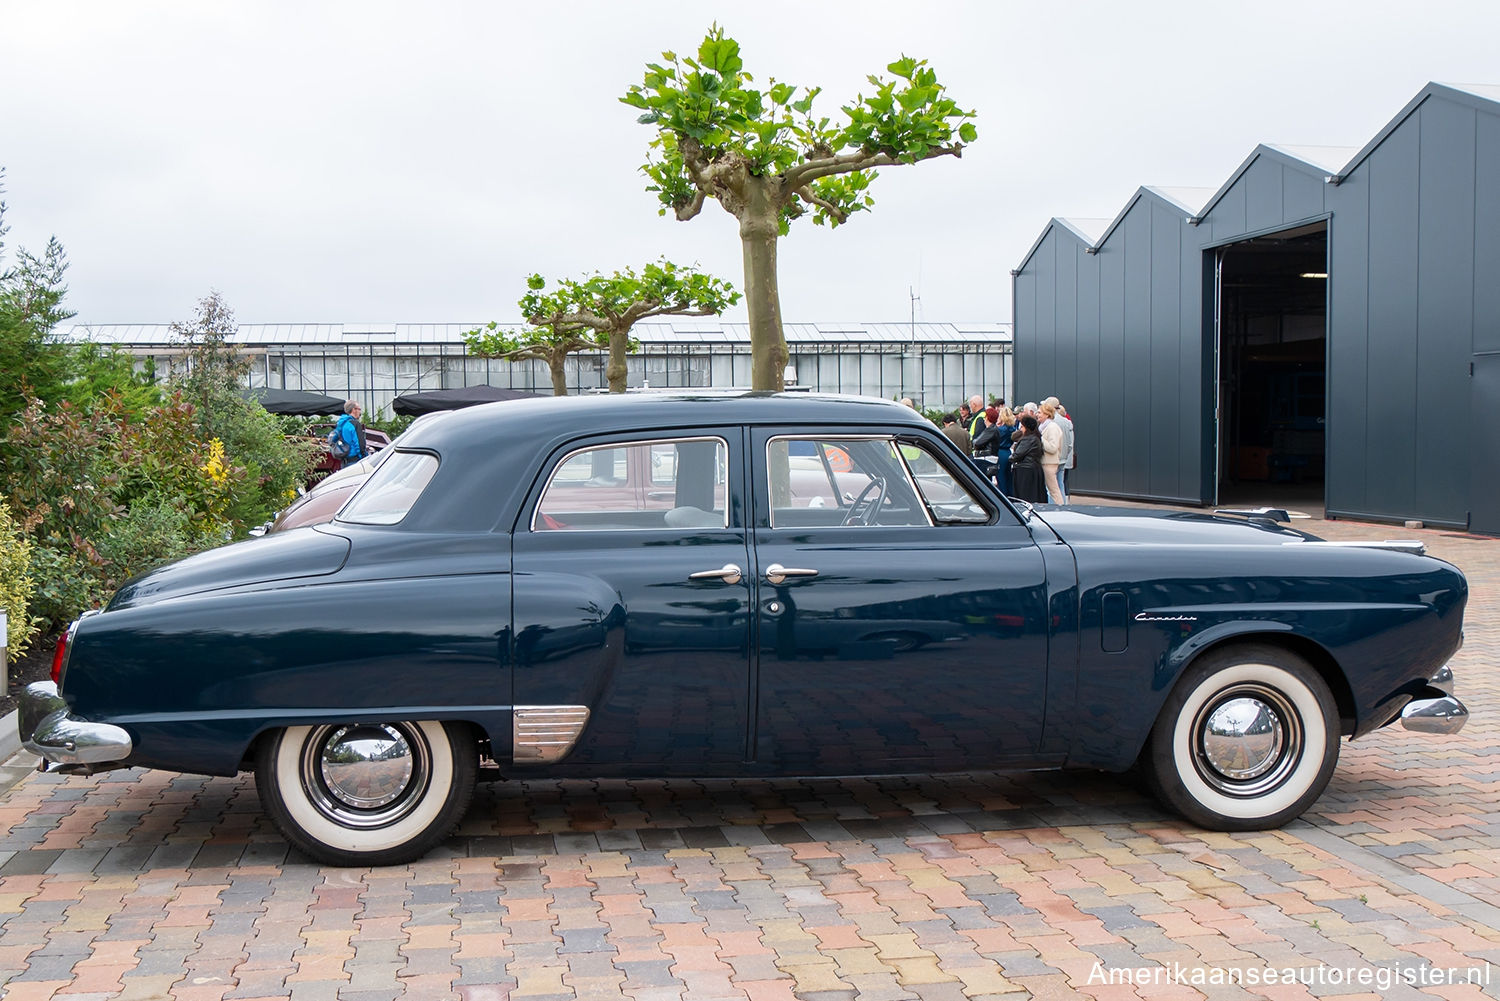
(32, 362)
(600, 311)
(543, 342)
(768, 160)
(212, 370)
(211, 379)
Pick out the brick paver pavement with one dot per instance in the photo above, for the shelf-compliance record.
(142, 884)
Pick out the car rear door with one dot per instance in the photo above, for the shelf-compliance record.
(904, 632)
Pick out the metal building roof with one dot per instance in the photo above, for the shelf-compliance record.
(1087, 230)
(1190, 200)
(674, 331)
(1328, 159)
(1331, 162)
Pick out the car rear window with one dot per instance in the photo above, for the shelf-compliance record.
(391, 490)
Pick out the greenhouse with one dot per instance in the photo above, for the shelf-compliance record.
(936, 364)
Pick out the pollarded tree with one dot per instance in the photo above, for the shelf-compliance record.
(604, 308)
(543, 342)
(767, 159)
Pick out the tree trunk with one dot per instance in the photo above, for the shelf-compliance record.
(559, 374)
(616, 371)
(759, 231)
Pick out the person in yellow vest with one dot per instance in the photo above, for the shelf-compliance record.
(976, 416)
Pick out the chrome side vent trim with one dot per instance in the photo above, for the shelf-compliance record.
(544, 734)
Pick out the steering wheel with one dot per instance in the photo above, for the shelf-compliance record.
(867, 504)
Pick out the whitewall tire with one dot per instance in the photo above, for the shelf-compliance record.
(1247, 740)
(367, 793)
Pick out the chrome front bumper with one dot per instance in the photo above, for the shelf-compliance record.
(49, 732)
(1440, 714)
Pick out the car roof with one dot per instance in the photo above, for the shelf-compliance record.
(543, 416)
(488, 453)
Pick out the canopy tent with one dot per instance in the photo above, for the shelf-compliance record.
(456, 399)
(294, 402)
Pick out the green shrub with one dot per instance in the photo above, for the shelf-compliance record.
(393, 425)
(149, 535)
(252, 440)
(98, 371)
(16, 585)
(65, 583)
(102, 494)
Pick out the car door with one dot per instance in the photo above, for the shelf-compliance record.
(632, 606)
(901, 612)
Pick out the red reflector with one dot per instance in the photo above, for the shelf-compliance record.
(59, 654)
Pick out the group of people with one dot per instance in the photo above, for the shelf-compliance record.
(1027, 452)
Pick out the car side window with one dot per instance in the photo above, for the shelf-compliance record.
(661, 483)
(948, 501)
(837, 481)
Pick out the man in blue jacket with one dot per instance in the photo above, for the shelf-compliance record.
(352, 432)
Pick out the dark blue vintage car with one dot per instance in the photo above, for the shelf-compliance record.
(749, 584)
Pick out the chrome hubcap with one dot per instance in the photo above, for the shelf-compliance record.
(1242, 738)
(366, 774)
(1248, 739)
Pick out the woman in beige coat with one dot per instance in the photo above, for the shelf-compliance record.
(1052, 442)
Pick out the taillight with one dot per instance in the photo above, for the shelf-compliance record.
(60, 652)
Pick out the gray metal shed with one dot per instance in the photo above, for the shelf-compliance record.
(1327, 316)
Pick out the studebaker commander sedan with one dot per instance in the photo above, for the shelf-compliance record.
(748, 584)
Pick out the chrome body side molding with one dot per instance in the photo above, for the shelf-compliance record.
(1413, 546)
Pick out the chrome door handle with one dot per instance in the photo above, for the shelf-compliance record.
(776, 573)
(728, 573)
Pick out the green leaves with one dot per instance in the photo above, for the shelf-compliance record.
(711, 102)
(604, 302)
(711, 121)
(596, 313)
(848, 193)
(494, 341)
(720, 54)
(909, 117)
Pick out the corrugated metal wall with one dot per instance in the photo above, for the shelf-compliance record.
(1124, 335)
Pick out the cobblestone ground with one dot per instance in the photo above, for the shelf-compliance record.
(142, 884)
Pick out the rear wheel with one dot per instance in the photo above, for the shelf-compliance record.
(1246, 741)
(367, 793)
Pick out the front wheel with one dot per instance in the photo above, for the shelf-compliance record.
(367, 793)
(1247, 740)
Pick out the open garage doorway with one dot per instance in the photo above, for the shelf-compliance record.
(1272, 305)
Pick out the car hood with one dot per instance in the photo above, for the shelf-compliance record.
(302, 553)
(1082, 524)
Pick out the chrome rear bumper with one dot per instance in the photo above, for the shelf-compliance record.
(48, 731)
(1441, 712)
(1440, 715)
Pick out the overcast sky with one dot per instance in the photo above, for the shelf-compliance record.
(412, 162)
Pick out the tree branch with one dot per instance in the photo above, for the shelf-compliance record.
(800, 175)
(570, 323)
(667, 310)
(806, 194)
(710, 177)
(692, 208)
